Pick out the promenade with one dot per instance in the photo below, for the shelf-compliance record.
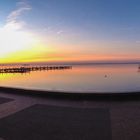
(28, 117)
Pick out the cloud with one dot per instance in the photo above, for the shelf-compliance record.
(60, 32)
(13, 19)
(14, 15)
(138, 42)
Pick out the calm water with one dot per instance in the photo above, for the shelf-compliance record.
(88, 78)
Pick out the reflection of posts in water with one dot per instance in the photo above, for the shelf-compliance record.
(29, 69)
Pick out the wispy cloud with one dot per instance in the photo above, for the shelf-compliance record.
(21, 7)
(13, 19)
(60, 32)
(55, 29)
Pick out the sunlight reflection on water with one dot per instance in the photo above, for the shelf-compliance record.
(84, 78)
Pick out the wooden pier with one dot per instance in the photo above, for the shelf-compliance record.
(29, 69)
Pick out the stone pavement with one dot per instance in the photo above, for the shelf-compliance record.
(24, 117)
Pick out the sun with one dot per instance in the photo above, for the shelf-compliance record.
(13, 40)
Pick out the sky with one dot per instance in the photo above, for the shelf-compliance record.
(69, 30)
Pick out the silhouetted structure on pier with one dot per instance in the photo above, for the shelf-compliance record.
(29, 69)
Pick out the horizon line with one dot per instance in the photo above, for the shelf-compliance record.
(79, 62)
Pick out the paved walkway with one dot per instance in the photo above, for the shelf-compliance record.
(48, 118)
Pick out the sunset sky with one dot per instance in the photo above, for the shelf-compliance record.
(69, 30)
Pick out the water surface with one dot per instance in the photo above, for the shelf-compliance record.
(82, 78)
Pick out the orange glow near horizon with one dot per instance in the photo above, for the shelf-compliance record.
(41, 54)
(17, 46)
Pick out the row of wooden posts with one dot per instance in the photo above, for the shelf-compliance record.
(29, 69)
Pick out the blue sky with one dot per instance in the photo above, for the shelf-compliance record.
(98, 19)
(108, 19)
(109, 25)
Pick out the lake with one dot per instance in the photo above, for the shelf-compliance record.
(81, 78)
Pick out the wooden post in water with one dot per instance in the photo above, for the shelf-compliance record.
(29, 69)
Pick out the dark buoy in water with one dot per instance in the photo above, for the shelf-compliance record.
(105, 76)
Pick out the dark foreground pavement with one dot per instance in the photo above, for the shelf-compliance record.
(24, 117)
(41, 122)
